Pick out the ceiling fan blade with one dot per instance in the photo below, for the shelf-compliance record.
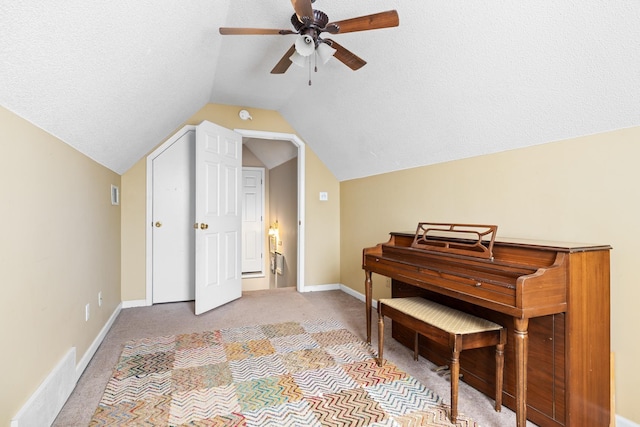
(285, 62)
(347, 57)
(368, 22)
(253, 31)
(303, 8)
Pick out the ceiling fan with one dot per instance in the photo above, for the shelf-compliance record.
(309, 24)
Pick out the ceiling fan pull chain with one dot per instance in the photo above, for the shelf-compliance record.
(309, 71)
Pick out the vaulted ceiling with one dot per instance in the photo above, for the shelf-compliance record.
(455, 79)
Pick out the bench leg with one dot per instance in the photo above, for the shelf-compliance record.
(380, 338)
(499, 375)
(415, 347)
(455, 373)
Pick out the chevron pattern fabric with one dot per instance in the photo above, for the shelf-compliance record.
(306, 374)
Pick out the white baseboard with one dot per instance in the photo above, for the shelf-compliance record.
(135, 303)
(343, 288)
(91, 351)
(320, 288)
(43, 406)
(356, 294)
(623, 422)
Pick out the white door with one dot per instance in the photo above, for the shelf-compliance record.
(252, 220)
(173, 243)
(218, 216)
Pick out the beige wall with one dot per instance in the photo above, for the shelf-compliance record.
(283, 197)
(60, 246)
(264, 120)
(582, 190)
(134, 206)
(322, 253)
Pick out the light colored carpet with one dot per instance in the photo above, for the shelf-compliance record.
(254, 308)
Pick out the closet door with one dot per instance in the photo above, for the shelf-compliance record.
(173, 240)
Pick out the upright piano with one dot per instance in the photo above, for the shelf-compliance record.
(552, 297)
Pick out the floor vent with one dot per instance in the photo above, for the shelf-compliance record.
(43, 406)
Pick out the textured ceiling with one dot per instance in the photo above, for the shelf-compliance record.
(271, 152)
(455, 79)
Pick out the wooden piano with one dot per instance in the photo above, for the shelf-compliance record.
(552, 297)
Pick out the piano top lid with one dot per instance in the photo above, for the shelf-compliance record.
(541, 244)
(554, 245)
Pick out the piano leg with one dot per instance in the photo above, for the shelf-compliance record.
(367, 303)
(521, 336)
(455, 376)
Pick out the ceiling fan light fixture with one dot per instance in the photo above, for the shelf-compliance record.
(298, 59)
(325, 52)
(305, 45)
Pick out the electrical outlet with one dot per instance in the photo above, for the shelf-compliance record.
(86, 312)
(100, 299)
(387, 282)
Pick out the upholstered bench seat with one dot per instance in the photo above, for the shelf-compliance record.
(447, 326)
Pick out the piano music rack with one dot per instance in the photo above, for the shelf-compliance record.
(462, 239)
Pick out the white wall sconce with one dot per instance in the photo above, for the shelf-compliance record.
(274, 237)
(244, 115)
(274, 231)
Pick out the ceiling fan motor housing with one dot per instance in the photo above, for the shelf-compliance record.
(319, 22)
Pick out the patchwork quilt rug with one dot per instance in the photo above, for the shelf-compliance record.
(309, 374)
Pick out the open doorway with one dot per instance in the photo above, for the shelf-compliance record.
(282, 154)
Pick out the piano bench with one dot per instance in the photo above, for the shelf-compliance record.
(445, 325)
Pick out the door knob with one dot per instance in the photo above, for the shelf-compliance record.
(158, 224)
(204, 226)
